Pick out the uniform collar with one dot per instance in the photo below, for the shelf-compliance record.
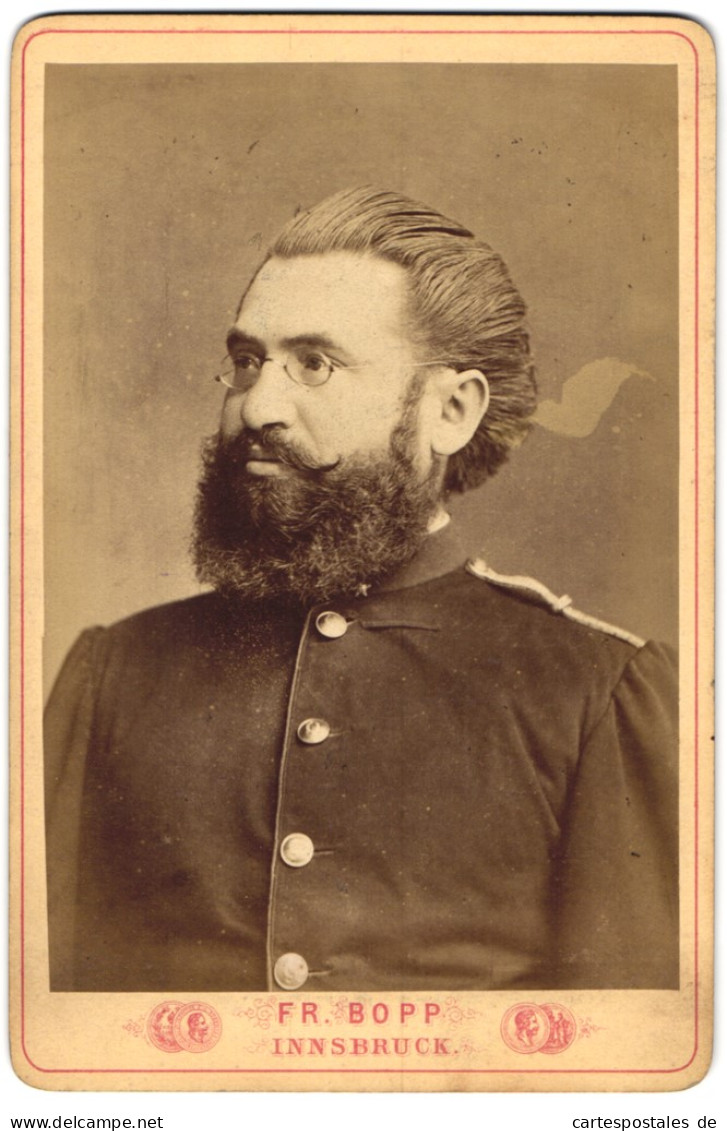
(398, 599)
(440, 553)
(401, 601)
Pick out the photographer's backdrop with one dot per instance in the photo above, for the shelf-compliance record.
(163, 187)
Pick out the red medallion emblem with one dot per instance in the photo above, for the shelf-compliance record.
(547, 1027)
(562, 1028)
(197, 1027)
(160, 1026)
(525, 1027)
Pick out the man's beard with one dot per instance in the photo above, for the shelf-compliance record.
(314, 533)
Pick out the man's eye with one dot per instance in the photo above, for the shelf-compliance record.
(315, 362)
(246, 363)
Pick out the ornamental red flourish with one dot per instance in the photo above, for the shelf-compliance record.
(197, 1027)
(159, 1026)
(455, 1014)
(261, 1012)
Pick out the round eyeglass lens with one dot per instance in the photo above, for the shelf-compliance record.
(312, 369)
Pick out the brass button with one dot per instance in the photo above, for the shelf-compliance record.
(313, 731)
(291, 971)
(331, 625)
(297, 850)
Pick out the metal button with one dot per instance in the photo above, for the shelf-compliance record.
(291, 971)
(297, 850)
(331, 625)
(313, 731)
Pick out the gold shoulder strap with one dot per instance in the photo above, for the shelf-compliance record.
(528, 586)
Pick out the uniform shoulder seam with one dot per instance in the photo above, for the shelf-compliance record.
(166, 608)
(535, 590)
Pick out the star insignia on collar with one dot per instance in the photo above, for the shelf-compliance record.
(362, 590)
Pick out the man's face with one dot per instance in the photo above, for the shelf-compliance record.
(350, 310)
(528, 1025)
(198, 1028)
(313, 491)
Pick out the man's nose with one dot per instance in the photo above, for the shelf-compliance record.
(271, 400)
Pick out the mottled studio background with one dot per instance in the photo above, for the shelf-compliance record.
(164, 184)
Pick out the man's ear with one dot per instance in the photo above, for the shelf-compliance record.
(464, 399)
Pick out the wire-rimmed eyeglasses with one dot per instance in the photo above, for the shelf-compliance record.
(310, 369)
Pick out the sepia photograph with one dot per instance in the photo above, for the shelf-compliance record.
(358, 472)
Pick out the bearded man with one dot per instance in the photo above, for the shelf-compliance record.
(358, 762)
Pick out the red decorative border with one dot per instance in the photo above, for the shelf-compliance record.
(350, 32)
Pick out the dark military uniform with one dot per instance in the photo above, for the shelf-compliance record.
(442, 784)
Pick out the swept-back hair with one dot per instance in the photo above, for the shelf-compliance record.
(464, 308)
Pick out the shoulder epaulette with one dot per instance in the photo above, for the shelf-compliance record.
(529, 587)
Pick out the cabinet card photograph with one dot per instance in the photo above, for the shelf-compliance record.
(362, 517)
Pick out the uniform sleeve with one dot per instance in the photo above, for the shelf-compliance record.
(617, 891)
(67, 730)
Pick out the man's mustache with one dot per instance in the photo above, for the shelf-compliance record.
(268, 443)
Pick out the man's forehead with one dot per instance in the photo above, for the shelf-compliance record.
(335, 292)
